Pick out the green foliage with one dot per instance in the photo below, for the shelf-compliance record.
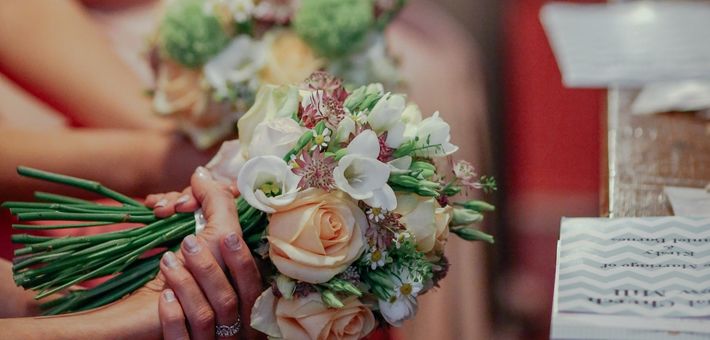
(334, 27)
(189, 35)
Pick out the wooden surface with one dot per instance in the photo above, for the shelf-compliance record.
(646, 153)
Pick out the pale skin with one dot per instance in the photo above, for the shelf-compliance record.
(54, 49)
(212, 298)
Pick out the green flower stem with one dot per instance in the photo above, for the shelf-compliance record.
(39, 258)
(39, 243)
(142, 272)
(78, 183)
(98, 217)
(29, 239)
(108, 250)
(125, 290)
(59, 226)
(47, 197)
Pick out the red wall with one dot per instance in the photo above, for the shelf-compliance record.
(552, 161)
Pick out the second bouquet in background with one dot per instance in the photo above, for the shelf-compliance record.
(210, 56)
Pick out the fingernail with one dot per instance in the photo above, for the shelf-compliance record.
(233, 242)
(191, 244)
(161, 203)
(170, 260)
(182, 199)
(169, 295)
(203, 173)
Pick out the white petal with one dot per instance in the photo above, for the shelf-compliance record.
(386, 112)
(383, 198)
(401, 164)
(395, 313)
(395, 135)
(364, 175)
(227, 163)
(365, 144)
(345, 128)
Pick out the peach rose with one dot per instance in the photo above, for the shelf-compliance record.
(181, 92)
(290, 60)
(317, 236)
(309, 318)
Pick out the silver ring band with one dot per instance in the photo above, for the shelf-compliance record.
(225, 331)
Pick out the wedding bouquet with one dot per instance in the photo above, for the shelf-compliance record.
(211, 56)
(346, 196)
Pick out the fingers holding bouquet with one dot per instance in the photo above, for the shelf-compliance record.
(202, 302)
(200, 294)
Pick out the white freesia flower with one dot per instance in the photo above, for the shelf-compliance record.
(228, 161)
(435, 132)
(275, 137)
(362, 176)
(267, 182)
(238, 62)
(399, 310)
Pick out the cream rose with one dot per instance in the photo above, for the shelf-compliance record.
(425, 219)
(271, 102)
(275, 137)
(317, 236)
(289, 59)
(309, 318)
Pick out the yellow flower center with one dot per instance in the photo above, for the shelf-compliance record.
(406, 289)
(270, 189)
(319, 139)
(376, 211)
(376, 256)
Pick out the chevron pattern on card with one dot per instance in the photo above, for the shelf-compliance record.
(657, 266)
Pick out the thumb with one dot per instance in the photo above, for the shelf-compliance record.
(218, 207)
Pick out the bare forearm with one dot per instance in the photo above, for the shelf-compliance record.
(54, 49)
(135, 163)
(135, 317)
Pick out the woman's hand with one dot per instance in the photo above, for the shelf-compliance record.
(201, 296)
(169, 203)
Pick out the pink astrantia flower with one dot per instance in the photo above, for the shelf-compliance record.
(321, 106)
(316, 171)
(323, 81)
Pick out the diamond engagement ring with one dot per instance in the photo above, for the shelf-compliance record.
(225, 331)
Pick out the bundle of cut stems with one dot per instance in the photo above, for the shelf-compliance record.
(129, 258)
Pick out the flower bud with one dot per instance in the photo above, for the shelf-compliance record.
(464, 217)
(405, 149)
(421, 165)
(405, 181)
(470, 234)
(479, 206)
(331, 300)
(451, 190)
(424, 191)
(302, 142)
(429, 184)
(339, 285)
(286, 286)
(426, 173)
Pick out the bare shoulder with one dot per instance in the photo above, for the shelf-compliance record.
(425, 35)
